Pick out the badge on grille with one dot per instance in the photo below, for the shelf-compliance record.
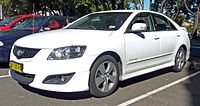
(20, 53)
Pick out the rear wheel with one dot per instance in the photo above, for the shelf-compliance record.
(104, 76)
(179, 60)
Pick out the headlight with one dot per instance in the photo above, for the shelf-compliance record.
(68, 52)
(1, 43)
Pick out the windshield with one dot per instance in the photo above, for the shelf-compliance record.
(8, 20)
(32, 23)
(101, 21)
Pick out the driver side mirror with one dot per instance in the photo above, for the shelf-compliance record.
(138, 27)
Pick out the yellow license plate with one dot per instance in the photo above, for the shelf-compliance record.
(16, 67)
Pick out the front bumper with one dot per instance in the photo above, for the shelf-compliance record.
(22, 78)
(41, 68)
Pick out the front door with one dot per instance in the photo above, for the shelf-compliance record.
(142, 48)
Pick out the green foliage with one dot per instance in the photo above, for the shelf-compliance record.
(179, 19)
(175, 10)
(189, 28)
(5, 2)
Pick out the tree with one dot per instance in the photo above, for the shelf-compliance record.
(142, 4)
(162, 6)
(193, 7)
(134, 4)
(6, 4)
(150, 5)
(158, 5)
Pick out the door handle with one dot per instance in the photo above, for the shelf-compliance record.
(156, 38)
(178, 35)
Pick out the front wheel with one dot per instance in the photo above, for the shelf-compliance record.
(179, 60)
(104, 76)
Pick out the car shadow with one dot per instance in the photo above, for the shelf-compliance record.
(193, 86)
(59, 95)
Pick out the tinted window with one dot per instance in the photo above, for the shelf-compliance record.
(172, 26)
(8, 21)
(32, 23)
(19, 22)
(64, 22)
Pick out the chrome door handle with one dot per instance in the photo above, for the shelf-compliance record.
(156, 38)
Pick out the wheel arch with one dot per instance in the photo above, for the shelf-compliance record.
(176, 50)
(177, 64)
(184, 47)
(113, 54)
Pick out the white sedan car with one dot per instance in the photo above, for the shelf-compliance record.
(98, 50)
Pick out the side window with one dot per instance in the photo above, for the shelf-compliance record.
(63, 22)
(143, 18)
(172, 26)
(54, 24)
(18, 23)
(162, 24)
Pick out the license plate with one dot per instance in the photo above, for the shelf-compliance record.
(16, 66)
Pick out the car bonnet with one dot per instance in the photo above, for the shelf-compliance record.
(62, 38)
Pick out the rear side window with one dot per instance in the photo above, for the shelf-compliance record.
(63, 22)
(162, 24)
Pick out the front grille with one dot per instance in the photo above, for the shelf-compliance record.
(21, 52)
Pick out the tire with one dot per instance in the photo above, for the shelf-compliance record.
(104, 76)
(179, 60)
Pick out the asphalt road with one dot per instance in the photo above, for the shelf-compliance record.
(154, 89)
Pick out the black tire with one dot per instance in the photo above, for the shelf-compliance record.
(104, 76)
(179, 60)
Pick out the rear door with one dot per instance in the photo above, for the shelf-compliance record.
(168, 35)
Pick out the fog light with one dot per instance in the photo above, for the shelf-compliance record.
(58, 79)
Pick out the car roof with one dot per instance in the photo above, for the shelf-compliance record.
(59, 17)
(55, 17)
(28, 15)
(131, 11)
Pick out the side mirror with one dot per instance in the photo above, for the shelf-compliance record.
(46, 29)
(139, 27)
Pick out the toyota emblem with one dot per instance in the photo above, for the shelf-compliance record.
(20, 53)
